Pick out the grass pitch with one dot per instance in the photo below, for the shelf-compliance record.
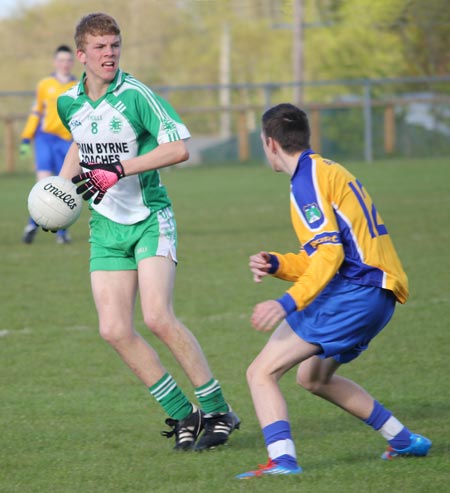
(74, 419)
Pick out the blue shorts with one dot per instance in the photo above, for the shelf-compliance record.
(50, 151)
(344, 318)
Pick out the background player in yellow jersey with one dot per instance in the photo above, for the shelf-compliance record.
(51, 139)
(346, 278)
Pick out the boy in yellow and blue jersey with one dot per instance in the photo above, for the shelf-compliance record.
(346, 279)
(51, 138)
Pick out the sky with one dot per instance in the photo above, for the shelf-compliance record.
(8, 7)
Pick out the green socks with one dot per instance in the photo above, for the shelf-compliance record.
(211, 398)
(171, 397)
(177, 405)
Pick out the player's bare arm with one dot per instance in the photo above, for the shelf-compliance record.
(101, 177)
(267, 314)
(260, 265)
(162, 156)
(71, 166)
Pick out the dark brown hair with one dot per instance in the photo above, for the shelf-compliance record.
(289, 126)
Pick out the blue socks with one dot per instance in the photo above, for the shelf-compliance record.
(280, 445)
(378, 417)
(402, 440)
(382, 420)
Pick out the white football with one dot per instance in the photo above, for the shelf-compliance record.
(54, 204)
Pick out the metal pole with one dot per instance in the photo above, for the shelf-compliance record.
(368, 126)
(225, 79)
(267, 96)
(297, 55)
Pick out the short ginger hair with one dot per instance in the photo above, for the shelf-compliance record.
(96, 24)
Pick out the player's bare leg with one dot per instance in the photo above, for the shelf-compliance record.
(156, 284)
(282, 352)
(114, 295)
(318, 376)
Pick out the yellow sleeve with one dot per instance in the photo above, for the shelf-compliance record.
(290, 265)
(323, 267)
(309, 274)
(35, 115)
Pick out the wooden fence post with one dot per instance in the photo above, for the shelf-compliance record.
(389, 129)
(243, 143)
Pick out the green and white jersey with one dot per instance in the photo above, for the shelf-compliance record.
(128, 121)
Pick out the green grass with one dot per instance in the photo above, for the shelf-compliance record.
(74, 419)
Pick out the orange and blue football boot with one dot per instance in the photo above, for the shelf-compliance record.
(270, 469)
(419, 448)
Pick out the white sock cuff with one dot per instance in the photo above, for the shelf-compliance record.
(391, 428)
(282, 447)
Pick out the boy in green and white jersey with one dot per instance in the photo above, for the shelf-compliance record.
(128, 121)
(123, 134)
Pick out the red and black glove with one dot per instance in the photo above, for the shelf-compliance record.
(99, 179)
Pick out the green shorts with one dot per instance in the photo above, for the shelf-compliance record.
(117, 246)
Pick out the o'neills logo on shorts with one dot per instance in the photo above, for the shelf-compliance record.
(67, 198)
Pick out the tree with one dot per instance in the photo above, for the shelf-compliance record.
(174, 42)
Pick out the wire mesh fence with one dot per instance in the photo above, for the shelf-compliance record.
(363, 119)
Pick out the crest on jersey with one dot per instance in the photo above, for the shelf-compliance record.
(115, 125)
(169, 127)
(312, 213)
(74, 123)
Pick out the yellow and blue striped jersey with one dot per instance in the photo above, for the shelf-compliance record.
(44, 113)
(340, 232)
